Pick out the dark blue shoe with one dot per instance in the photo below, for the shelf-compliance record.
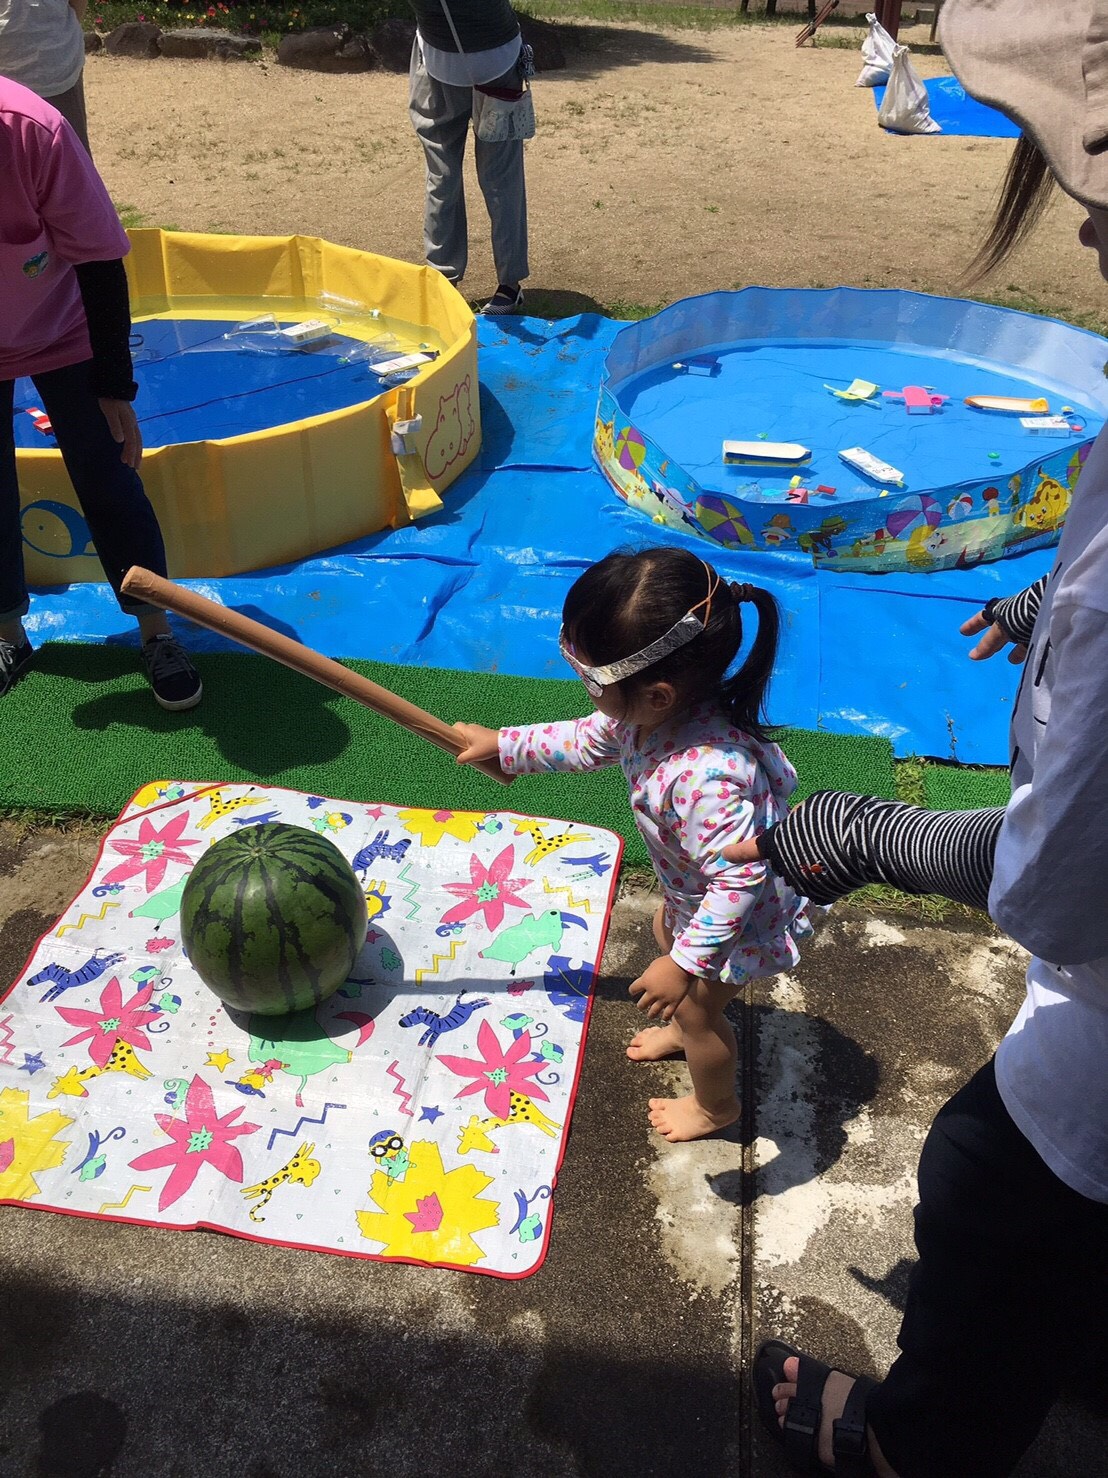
(15, 658)
(175, 680)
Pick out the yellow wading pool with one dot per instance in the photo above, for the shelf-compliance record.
(362, 449)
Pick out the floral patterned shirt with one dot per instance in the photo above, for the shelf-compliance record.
(697, 784)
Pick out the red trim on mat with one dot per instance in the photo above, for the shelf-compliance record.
(137, 1221)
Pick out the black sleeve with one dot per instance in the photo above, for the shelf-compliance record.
(836, 842)
(108, 311)
(1015, 614)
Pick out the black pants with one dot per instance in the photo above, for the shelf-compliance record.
(1010, 1288)
(121, 523)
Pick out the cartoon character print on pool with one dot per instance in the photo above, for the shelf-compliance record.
(453, 431)
(56, 530)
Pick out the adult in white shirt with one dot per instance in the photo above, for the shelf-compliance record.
(42, 46)
(1012, 1221)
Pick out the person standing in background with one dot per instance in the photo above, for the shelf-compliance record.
(444, 72)
(42, 46)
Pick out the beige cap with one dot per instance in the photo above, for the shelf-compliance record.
(1045, 64)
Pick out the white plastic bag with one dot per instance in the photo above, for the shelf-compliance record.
(877, 55)
(905, 108)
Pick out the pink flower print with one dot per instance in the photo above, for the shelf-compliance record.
(200, 1138)
(488, 890)
(498, 1074)
(152, 853)
(114, 1021)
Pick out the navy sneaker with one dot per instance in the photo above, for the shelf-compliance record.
(506, 299)
(15, 658)
(175, 680)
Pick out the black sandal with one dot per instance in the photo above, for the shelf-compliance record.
(800, 1434)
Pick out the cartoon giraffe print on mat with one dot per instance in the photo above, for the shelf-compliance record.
(477, 1134)
(545, 845)
(300, 1170)
(218, 807)
(122, 1060)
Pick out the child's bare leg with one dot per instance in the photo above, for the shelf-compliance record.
(656, 1042)
(712, 1054)
(663, 934)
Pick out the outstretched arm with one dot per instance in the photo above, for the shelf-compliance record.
(836, 842)
(578, 744)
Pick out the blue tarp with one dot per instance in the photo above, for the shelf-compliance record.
(479, 586)
(959, 115)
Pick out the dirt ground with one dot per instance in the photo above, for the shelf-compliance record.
(666, 164)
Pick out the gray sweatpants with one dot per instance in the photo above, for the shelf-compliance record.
(440, 115)
(71, 105)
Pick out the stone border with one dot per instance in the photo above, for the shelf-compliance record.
(335, 48)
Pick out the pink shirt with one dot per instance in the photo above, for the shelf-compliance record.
(54, 213)
(696, 785)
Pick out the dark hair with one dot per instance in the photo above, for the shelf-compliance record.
(628, 600)
(1024, 195)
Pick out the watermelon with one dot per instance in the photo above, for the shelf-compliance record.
(273, 918)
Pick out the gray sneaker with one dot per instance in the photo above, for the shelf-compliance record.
(15, 658)
(170, 672)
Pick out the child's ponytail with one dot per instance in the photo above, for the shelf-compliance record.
(743, 695)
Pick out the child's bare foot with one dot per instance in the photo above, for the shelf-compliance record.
(680, 1119)
(656, 1042)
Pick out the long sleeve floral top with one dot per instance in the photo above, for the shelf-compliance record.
(697, 784)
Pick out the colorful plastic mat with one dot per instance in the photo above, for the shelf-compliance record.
(420, 1115)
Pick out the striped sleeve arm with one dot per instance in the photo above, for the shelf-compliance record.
(836, 842)
(1015, 614)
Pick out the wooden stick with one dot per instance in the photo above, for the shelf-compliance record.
(143, 585)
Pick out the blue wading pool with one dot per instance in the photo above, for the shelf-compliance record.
(770, 366)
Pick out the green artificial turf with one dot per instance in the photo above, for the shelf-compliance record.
(955, 788)
(81, 732)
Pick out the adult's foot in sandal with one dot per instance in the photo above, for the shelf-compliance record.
(833, 1400)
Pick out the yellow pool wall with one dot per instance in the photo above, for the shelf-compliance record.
(272, 497)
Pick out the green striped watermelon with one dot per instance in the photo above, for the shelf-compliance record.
(272, 918)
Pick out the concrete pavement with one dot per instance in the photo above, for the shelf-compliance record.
(204, 1356)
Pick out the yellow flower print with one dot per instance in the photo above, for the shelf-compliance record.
(432, 1213)
(432, 826)
(26, 1145)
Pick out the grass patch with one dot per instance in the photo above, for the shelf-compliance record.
(272, 19)
(673, 17)
(1015, 297)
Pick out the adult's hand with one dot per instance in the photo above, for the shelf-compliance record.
(994, 640)
(124, 426)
